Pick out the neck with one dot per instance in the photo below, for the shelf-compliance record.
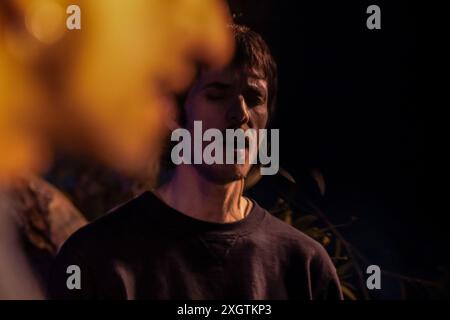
(192, 194)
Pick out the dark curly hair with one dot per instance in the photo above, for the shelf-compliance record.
(251, 53)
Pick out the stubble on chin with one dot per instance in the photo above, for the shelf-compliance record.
(223, 174)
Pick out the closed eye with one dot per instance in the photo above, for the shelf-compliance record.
(216, 90)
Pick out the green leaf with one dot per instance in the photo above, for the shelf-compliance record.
(326, 241)
(344, 269)
(338, 249)
(348, 285)
(348, 293)
(304, 222)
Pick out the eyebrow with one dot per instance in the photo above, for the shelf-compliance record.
(255, 81)
(257, 89)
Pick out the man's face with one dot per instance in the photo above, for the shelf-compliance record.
(227, 99)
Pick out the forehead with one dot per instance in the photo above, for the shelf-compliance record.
(232, 76)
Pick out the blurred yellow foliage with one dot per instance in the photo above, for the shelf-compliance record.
(98, 89)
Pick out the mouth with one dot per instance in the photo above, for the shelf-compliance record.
(235, 147)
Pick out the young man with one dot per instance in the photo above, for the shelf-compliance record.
(197, 236)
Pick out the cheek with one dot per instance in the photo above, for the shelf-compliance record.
(202, 109)
(260, 116)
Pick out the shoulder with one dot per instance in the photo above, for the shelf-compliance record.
(303, 253)
(296, 246)
(118, 223)
(291, 238)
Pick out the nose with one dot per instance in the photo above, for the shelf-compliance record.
(238, 113)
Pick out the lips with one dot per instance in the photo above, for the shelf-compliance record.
(234, 144)
(235, 147)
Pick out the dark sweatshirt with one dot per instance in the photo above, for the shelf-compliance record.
(148, 250)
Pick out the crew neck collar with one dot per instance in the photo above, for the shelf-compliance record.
(242, 226)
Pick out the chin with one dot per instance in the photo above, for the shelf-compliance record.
(223, 174)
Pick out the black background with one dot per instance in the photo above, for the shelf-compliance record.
(348, 105)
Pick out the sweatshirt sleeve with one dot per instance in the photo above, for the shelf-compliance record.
(324, 281)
